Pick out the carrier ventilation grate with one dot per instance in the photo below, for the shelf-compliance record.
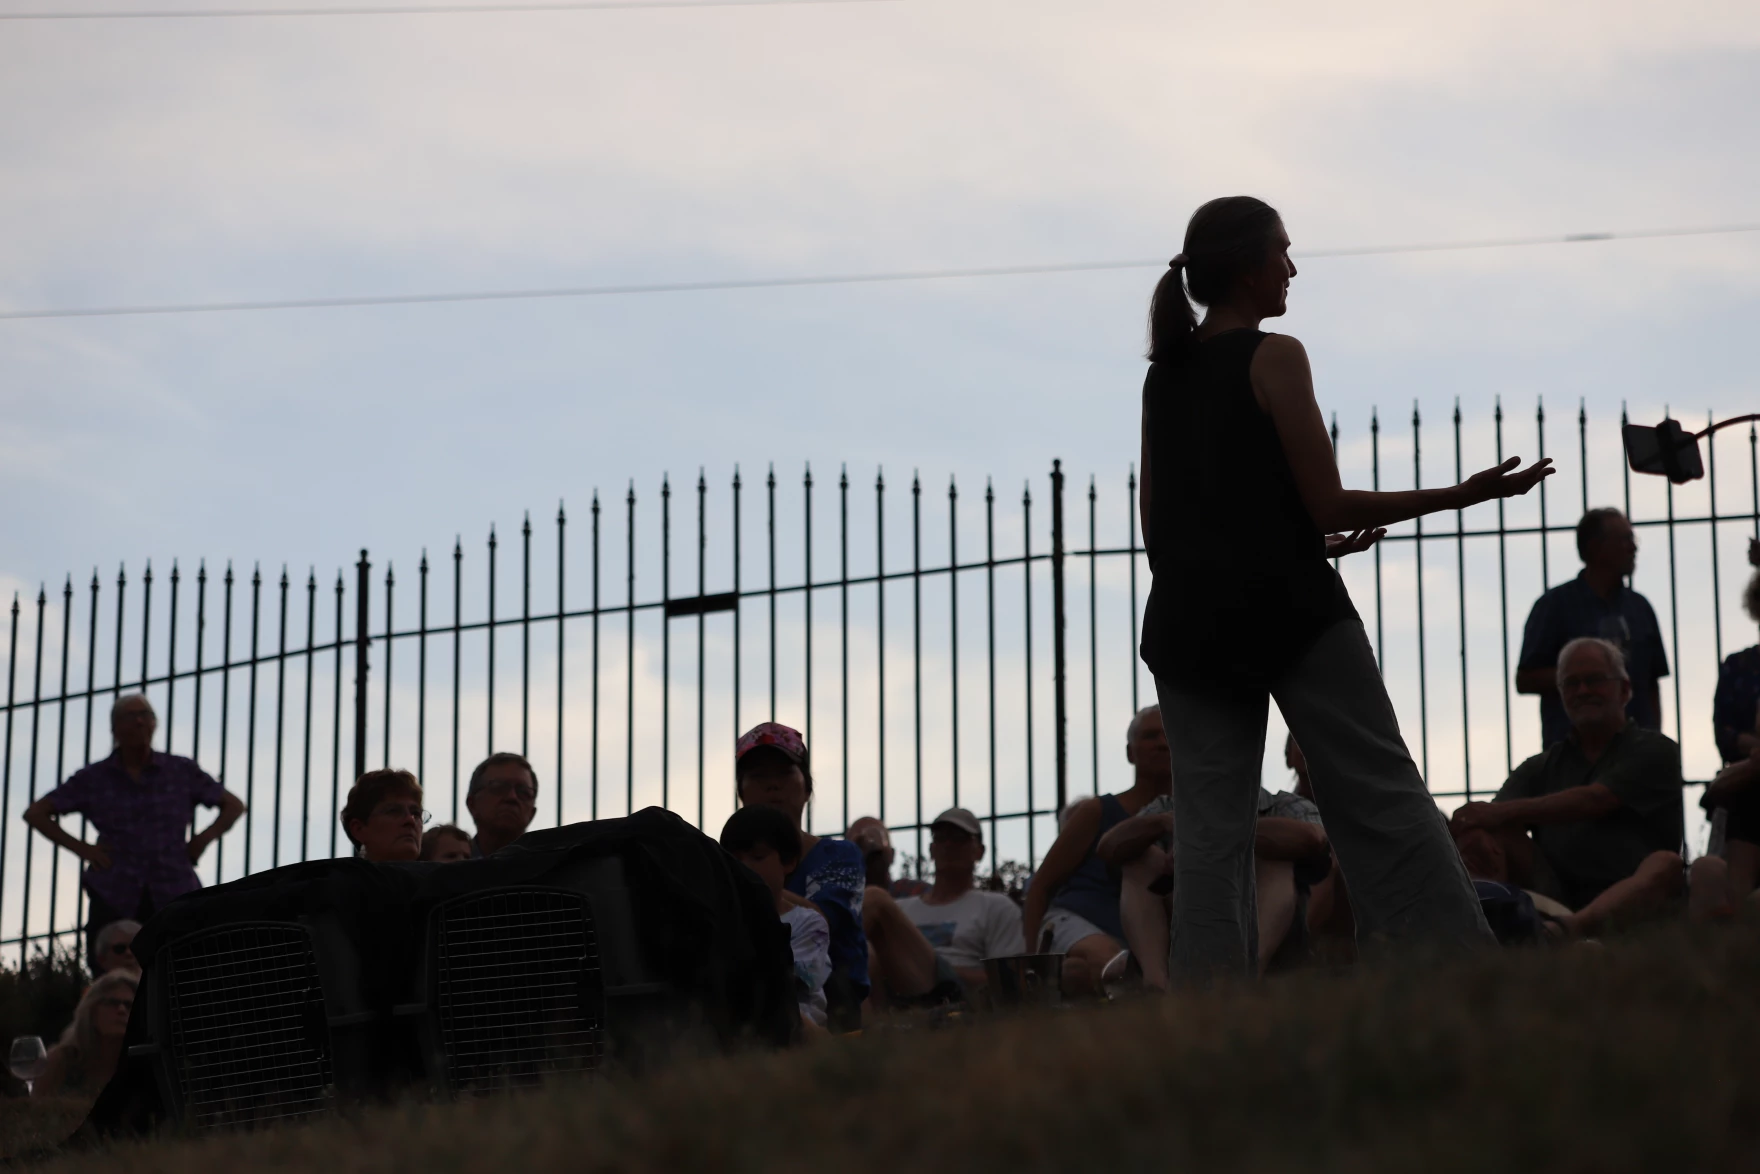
(248, 1031)
(519, 989)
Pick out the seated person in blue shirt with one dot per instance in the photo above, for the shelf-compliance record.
(771, 769)
(1594, 821)
(1596, 603)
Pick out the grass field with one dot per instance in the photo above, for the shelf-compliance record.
(1637, 1056)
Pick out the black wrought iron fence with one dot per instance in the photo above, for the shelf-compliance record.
(633, 684)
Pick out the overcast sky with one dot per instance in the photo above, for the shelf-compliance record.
(176, 161)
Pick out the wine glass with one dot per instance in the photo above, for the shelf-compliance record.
(28, 1059)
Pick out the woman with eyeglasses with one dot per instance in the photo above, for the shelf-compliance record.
(85, 1059)
(383, 816)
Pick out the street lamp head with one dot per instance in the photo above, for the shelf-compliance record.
(1667, 450)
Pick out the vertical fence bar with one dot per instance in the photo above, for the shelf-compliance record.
(1027, 646)
(489, 630)
(1093, 633)
(170, 662)
(770, 531)
(1716, 586)
(195, 736)
(702, 679)
(807, 603)
(917, 654)
(335, 720)
(1130, 510)
(1418, 552)
(6, 767)
(422, 667)
(457, 655)
(361, 627)
(1674, 620)
(1375, 484)
(61, 740)
(1060, 664)
(666, 642)
(737, 608)
(843, 624)
(953, 626)
(990, 650)
(250, 724)
(30, 781)
(525, 637)
(1503, 607)
(281, 719)
(121, 591)
(561, 624)
(593, 799)
(1540, 437)
(79, 893)
(629, 712)
(146, 620)
(1583, 449)
(880, 626)
(225, 710)
(305, 787)
(1460, 566)
(1625, 467)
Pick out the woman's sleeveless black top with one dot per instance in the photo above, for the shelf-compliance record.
(1242, 588)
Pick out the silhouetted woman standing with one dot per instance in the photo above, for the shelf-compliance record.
(1239, 492)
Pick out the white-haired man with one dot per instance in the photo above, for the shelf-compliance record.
(1595, 820)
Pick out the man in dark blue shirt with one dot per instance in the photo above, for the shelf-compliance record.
(1596, 603)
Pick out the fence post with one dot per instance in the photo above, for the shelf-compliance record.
(360, 665)
(1057, 650)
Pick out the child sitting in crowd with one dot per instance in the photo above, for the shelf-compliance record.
(765, 841)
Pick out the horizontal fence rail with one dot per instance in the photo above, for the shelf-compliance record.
(1004, 682)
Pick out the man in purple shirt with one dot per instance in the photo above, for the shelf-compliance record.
(141, 802)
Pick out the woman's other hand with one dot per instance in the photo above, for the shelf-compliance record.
(1339, 545)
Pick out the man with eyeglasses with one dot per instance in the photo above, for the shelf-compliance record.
(502, 800)
(142, 803)
(1594, 821)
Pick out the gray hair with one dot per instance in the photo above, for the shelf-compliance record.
(130, 699)
(1616, 660)
(1130, 734)
(108, 935)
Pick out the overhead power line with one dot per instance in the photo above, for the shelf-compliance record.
(590, 291)
(418, 10)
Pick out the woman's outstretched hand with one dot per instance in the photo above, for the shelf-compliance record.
(1339, 545)
(1503, 481)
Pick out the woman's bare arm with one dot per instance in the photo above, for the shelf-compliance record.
(1284, 386)
(1143, 472)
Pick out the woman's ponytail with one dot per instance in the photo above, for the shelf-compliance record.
(1171, 317)
(1225, 239)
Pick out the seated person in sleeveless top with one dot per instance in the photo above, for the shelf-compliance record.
(85, 1059)
(1291, 855)
(1072, 903)
(1594, 822)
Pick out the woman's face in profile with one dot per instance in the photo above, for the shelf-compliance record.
(1270, 284)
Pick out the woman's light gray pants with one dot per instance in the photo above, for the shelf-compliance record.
(1405, 877)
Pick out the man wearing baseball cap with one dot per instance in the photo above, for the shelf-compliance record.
(964, 923)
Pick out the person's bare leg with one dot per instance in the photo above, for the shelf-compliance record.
(904, 960)
(1145, 915)
(1085, 962)
(1656, 881)
(1709, 897)
(1276, 881)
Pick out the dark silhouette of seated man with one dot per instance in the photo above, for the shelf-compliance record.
(1594, 821)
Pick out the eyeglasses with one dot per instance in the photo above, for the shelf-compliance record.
(1586, 681)
(114, 1004)
(120, 948)
(524, 791)
(397, 810)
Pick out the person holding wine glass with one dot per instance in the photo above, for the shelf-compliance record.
(1239, 492)
(85, 1059)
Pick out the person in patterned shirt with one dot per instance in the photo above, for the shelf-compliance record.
(142, 802)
